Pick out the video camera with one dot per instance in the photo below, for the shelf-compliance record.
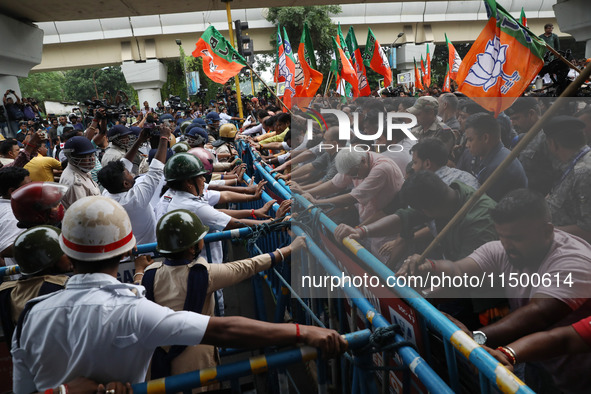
(392, 91)
(177, 104)
(112, 112)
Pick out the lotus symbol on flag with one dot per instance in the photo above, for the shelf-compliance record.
(212, 66)
(488, 67)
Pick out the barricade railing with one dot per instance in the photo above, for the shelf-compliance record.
(490, 370)
(355, 372)
(454, 339)
(254, 365)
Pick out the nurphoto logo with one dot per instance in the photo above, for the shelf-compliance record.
(394, 121)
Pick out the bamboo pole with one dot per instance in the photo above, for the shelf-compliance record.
(531, 134)
(268, 88)
(330, 75)
(236, 78)
(562, 58)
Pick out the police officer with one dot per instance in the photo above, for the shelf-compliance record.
(77, 331)
(224, 148)
(43, 266)
(38, 203)
(213, 124)
(81, 160)
(180, 236)
(121, 139)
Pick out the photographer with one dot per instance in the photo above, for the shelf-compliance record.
(14, 111)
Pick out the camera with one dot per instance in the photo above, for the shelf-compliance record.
(176, 103)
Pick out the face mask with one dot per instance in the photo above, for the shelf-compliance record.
(84, 164)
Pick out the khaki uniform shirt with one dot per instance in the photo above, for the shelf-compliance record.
(81, 185)
(27, 289)
(220, 275)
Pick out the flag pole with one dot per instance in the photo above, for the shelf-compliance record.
(330, 75)
(236, 77)
(529, 136)
(268, 88)
(562, 58)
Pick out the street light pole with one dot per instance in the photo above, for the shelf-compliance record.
(94, 81)
(182, 54)
(236, 78)
(392, 50)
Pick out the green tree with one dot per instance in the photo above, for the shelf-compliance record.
(44, 86)
(80, 86)
(440, 59)
(176, 84)
(321, 29)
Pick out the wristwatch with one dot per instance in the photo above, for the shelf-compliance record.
(479, 337)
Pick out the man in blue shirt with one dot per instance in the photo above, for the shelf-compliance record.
(483, 139)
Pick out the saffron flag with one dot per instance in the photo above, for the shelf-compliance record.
(502, 61)
(342, 42)
(422, 71)
(454, 59)
(307, 59)
(427, 76)
(447, 82)
(418, 82)
(220, 60)
(280, 53)
(287, 69)
(522, 18)
(344, 68)
(376, 59)
(357, 61)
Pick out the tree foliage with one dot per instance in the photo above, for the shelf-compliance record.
(176, 84)
(44, 86)
(80, 86)
(321, 28)
(75, 85)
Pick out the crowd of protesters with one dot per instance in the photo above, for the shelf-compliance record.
(533, 220)
(76, 197)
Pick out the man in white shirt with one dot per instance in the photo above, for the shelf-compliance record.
(135, 195)
(11, 178)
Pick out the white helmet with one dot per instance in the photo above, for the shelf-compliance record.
(96, 228)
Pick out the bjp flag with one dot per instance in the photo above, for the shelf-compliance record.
(502, 62)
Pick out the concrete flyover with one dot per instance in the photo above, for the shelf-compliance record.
(111, 41)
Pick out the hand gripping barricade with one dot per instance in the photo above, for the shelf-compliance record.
(356, 372)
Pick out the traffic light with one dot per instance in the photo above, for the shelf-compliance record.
(243, 41)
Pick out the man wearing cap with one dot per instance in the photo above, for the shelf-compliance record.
(121, 138)
(569, 200)
(43, 168)
(81, 160)
(75, 120)
(213, 125)
(426, 109)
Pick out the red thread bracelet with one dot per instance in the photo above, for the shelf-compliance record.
(253, 214)
(432, 264)
(298, 335)
(507, 353)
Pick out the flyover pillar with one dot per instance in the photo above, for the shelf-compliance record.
(21, 47)
(147, 78)
(574, 18)
(407, 52)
